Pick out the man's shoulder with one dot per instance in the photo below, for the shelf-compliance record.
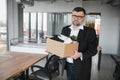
(67, 26)
(88, 28)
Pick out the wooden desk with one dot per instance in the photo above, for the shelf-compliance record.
(17, 62)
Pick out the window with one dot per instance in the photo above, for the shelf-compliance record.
(26, 25)
(39, 25)
(35, 24)
(3, 26)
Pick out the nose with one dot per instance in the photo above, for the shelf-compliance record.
(76, 18)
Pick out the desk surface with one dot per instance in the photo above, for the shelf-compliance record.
(17, 62)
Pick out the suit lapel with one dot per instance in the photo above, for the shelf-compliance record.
(68, 30)
(81, 35)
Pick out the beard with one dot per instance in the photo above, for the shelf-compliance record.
(76, 23)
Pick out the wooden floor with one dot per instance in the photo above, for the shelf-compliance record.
(105, 73)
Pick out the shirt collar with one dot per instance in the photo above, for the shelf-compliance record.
(80, 27)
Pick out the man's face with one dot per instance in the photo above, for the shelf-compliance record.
(78, 18)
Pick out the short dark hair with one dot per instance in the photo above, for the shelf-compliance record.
(80, 9)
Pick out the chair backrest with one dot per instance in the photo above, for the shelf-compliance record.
(52, 64)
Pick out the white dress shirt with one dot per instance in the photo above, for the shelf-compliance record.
(75, 33)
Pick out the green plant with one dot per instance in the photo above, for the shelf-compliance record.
(74, 38)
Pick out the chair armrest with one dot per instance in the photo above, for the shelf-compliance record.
(115, 60)
(36, 66)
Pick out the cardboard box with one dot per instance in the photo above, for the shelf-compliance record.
(61, 49)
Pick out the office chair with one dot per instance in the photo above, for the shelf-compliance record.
(50, 71)
(116, 73)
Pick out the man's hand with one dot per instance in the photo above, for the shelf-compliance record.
(77, 55)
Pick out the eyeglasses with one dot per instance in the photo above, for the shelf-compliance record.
(78, 17)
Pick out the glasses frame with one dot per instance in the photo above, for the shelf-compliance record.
(78, 17)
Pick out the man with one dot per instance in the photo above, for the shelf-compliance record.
(78, 66)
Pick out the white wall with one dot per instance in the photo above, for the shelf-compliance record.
(119, 34)
(109, 39)
(57, 6)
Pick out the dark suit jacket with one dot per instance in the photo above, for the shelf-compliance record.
(88, 46)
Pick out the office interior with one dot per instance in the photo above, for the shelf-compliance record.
(34, 20)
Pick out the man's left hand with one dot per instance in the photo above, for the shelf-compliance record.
(77, 55)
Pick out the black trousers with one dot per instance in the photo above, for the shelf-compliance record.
(69, 70)
(79, 70)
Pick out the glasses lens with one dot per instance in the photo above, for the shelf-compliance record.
(79, 17)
